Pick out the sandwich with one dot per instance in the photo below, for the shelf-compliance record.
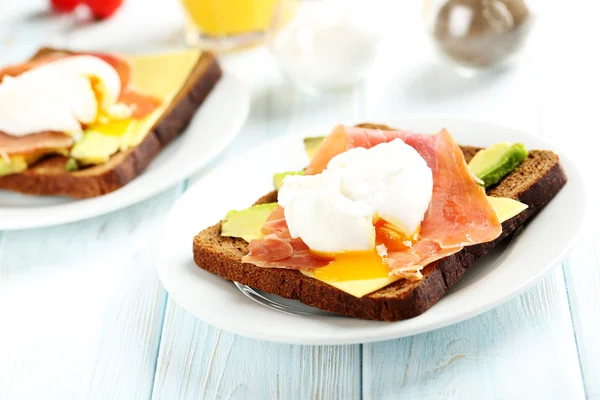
(382, 222)
(86, 124)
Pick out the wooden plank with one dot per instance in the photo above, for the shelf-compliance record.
(82, 306)
(566, 89)
(198, 361)
(582, 275)
(523, 349)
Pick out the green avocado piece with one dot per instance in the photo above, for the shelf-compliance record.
(311, 144)
(71, 165)
(494, 163)
(12, 165)
(95, 147)
(247, 224)
(280, 176)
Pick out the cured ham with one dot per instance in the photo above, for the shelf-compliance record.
(140, 104)
(459, 213)
(43, 142)
(278, 250)
(343, 138)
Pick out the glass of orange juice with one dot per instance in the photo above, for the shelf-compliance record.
(223, 25)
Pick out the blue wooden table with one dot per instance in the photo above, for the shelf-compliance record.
(83, 314)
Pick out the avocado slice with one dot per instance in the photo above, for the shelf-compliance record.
(247, 223)
(71, 165)
(494, 163)
(12, 165)
(100, 141)
(280, 176)
(95, 147)
(311, 144)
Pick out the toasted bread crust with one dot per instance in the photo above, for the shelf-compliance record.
(49, 176)
(535, 182)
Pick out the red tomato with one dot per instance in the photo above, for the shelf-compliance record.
(103, 8)
(65, 5)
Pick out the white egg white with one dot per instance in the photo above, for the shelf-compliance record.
(333, 212)
(327, 221)
(57, 96)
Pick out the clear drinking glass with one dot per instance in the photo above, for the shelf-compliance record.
(222, 25)
(324, 44)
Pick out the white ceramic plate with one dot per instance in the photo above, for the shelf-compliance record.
(214, 126)
(494, 279)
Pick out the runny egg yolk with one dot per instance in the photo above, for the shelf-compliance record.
(114, 121)
(365, 265)
(354, 265)
(113, 127)
(99, 90)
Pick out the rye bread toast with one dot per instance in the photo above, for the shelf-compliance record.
(50, 177)
(534, 182)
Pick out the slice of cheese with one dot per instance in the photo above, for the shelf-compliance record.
(505, 209)
(162, 76)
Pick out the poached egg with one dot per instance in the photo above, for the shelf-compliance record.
(59, 96)
(366, 202)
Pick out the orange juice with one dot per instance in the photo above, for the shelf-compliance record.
(229, 17)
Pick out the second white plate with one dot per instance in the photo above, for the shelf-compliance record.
(214, 126)
(497, 277)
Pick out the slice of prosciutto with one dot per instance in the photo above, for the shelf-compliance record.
(278, 249)
(36, 144)
(344, 138)
(140, 104)
(459, 213)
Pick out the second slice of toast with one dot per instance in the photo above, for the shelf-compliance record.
(50, 177)
(535, 182)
